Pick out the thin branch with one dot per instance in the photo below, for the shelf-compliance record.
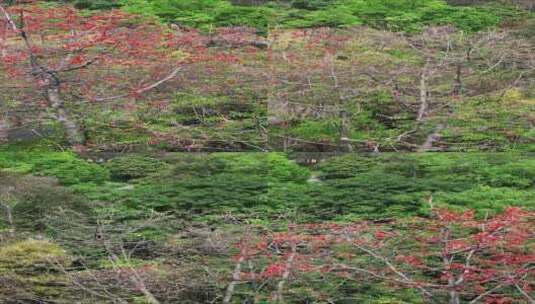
(77, 67)
(235, 279)
(525, 294)
(486, 293)
(287, 269)
(145, 89)
(405, 278)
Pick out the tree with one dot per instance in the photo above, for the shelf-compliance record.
(461, 258)
(385, 91)
(72, 59)
(451, 257)
(3, 129)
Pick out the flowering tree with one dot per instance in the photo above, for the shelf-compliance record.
(458, 257)
(451, 257)
(70, 58)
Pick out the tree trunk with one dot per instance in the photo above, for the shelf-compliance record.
(345, 143)
(9, 220)
(458, 86)
(72, 131)
(431, 139)
(454, 297)
(235, 280)
(4, 127)
(423, 94)
(278, 296)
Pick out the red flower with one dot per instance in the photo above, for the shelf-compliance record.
(273, 270)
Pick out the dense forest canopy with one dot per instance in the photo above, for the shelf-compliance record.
(256, 151)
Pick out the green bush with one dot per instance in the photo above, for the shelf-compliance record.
(350, 185)
(65, 166)
(184, 165)
(199, 195)
(486, 199)
(372, 194)
(412, 15)
(31, 255)
(69, 169)
(399, 15)
(283, 170)
(365, 186)
(96, 4)
(469, 19)
(312, 4)
(214, 183)
(37, 202)
(254, 17)
(29, 270)
(134, 166)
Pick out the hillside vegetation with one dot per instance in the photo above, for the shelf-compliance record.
(267, 152)
(393, 15)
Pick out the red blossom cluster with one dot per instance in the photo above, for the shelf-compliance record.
(450, 254)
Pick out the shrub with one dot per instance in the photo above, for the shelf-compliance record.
(96, 4)
(212, 183)
(399, 15)
(37, 202)
(134, 166)
(312, 4)
(69, 169)
(28, 270)
(66, 166)
(199, 194)
(394, 185)
(329, 17)
(185, 165)
(31, 255)
(283, 170)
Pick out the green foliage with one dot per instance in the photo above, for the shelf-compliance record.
(66, 166)
(401, 15)
(245, 16)
(197, 109)
(350, 186)
(203, 183)
(399, 185)
(35, 201)
(312, 4)
(29, 269)
(469, 19)
(96, 4)
(69, 169)
(31, 255)
(486, 199)
(124, 132)
(204, 14)
(134, 166)
(329, 17)
(412, 15)
(316, 130)
(492, 123)
(371, 194)
(193, 165)
(199, 195)
(282, 170)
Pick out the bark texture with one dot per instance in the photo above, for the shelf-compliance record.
(4, 131)
(72, 132)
